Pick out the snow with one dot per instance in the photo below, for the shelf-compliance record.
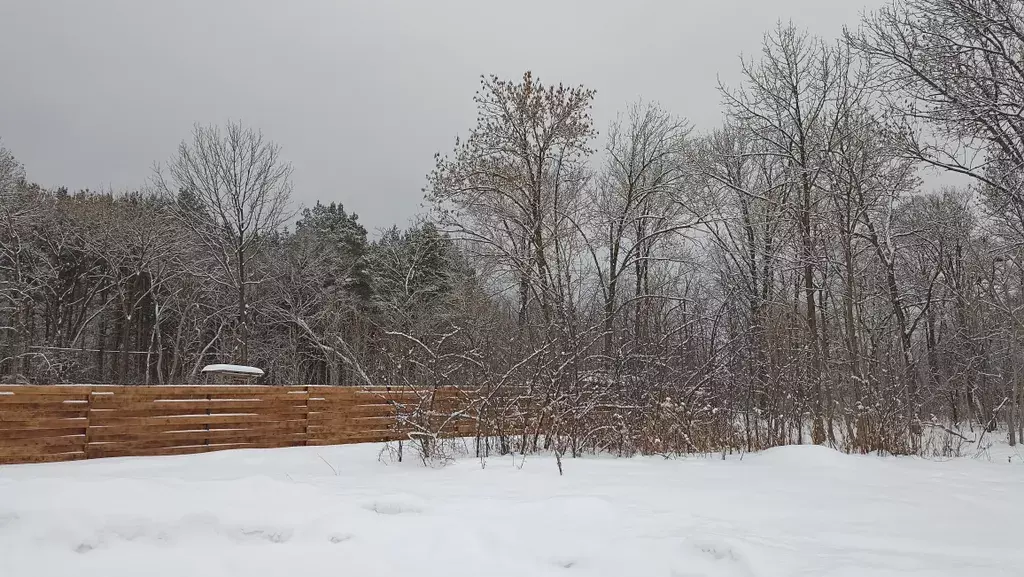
(239, 369)
(788, 512)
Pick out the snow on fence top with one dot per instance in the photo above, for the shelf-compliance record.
(234, 370)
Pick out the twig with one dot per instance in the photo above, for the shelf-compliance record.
(336, 473)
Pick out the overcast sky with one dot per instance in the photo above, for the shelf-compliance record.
(360, 94)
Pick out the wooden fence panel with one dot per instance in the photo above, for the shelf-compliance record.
(43, 424)
(46, 423)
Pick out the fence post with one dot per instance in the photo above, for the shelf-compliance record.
(305, 418)
(88, 422)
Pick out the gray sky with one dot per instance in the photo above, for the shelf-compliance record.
(360, 94)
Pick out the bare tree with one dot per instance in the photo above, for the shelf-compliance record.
(17, 210)
(234, 191)
(502, 189)
(953, 84)
(954, 87)
(637, 202)
(792, 100)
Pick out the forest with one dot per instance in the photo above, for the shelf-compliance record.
(641, 287)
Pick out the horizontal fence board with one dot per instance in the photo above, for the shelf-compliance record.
(355, 411)
(411, 396)
(200, 438)
(168, 411)
(62, 407)
(362, 437)
(112, 419)
(360, 422)
(346, 402)
(112, 401)
(167, 439)
(14, 416)
(19, 399)
(42, 423)
(142, 423)
(201, 389)
(116, 402)
(127, 433)
(48, 445)
(40, 458)
(113, 451)
(342, 394)
(361, 411)
(14, 434)
(143, 396)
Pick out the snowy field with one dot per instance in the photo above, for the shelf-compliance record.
(786, 512)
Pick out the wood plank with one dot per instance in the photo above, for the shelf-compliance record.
(383, 389)
(358, 423)
(357, 431)
(345, 403)
(349, 401)
(52, 445)
(369, 396)
(23, 414)
(130, 403)
(7, 435)
(122, 433)
(366, 437)
(151, 395)
(29, 405)
(42, 423)
(355, 411)
(112, 420)
(278, 413)
(19, 399)
(332, 431)
(186, 450)
(349, 396)
(342, 391)
(199, 438)
(201, 389)
(50, 458)
(366, 397)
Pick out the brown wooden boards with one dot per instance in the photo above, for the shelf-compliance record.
(45, 423)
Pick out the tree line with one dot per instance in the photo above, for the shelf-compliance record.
(783, 278)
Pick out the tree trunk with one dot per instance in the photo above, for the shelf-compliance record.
(1013, 412)
(243, 325)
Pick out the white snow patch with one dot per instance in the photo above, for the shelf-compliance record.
(784, 512)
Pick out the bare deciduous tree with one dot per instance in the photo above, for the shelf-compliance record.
(234, 191)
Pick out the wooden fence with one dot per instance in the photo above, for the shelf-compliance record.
(66, 422)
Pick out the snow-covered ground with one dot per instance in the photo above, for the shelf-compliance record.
(788, 512)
